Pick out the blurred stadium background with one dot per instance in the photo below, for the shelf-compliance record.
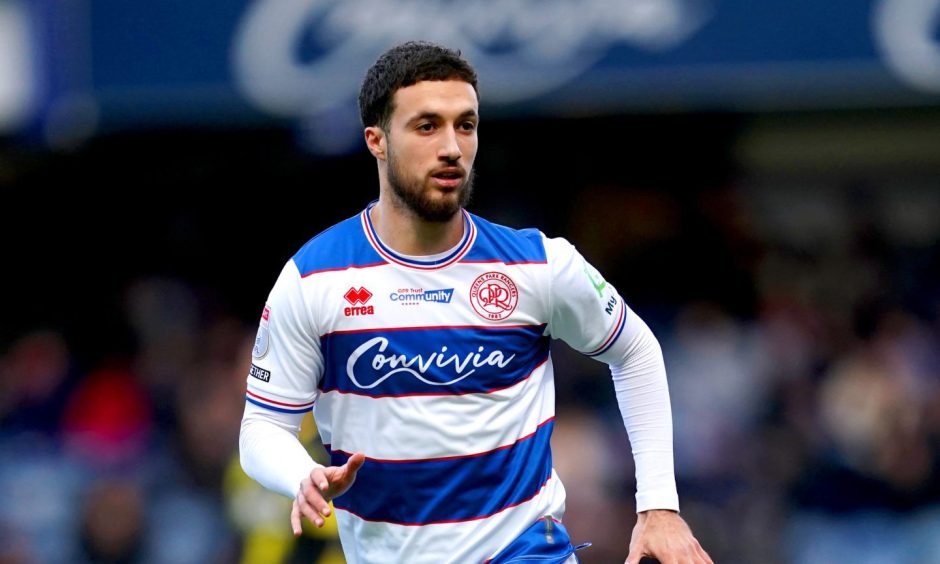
(761, 180)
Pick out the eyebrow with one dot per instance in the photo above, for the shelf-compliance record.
(436, 116)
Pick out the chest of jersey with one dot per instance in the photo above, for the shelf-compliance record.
(389, 331)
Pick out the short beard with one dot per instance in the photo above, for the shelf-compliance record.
(411, 193)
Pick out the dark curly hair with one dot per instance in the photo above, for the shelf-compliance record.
(404, 65)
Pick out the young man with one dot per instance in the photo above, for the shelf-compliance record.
(419, 335)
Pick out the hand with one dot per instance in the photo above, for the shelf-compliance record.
(322, 485)
(662, 534)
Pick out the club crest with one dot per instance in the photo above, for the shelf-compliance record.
(494, 296)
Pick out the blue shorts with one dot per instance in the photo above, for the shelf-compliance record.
(545, 542)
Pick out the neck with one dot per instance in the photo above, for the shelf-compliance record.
(408, 234)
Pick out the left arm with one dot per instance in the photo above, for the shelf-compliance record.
(639, 375)
(589, 314)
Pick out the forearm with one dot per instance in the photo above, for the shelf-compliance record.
(271, 454)
(639, 376)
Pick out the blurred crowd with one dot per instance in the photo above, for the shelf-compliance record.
(136, 460)
(805, 385)
(799, 323)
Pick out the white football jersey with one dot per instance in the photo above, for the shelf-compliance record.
(438, 370)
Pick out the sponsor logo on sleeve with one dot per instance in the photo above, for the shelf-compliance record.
(611, 304)
(262, 339)
(494, 296)
(599, 284)
(260, 373)
(597, 281)
(357, 302)
(416, 296)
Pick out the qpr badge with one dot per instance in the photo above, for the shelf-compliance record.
(494, 296)
(261, 339)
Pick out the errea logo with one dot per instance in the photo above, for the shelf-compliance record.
(358, 299)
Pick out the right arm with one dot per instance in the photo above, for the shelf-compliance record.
(282, 387)
(270, 451)
(272, 455)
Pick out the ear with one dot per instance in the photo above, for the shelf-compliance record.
(376, 141)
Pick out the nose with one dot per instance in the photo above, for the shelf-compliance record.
(450, 148)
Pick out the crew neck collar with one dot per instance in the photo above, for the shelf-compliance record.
(427, 262)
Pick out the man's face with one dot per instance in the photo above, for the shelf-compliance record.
(432, 142)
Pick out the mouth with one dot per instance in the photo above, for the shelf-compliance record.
(450, 177)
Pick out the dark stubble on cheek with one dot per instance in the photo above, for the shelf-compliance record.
(413, 194)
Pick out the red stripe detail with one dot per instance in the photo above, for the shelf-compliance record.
(542, 487)
(613, 333)
(436, 394)
(262, 398)
(339, 268)
(425, 327)
(457, 456)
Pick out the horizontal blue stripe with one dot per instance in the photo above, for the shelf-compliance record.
(459, 489)
(342, 246)
(455, 360)
(277, 408)
(499, 243)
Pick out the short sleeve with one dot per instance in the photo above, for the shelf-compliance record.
(286, 361)
(586, 310)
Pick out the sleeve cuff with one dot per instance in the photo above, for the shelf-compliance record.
(663, 498)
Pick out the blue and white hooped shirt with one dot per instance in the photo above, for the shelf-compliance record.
(438, 370)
